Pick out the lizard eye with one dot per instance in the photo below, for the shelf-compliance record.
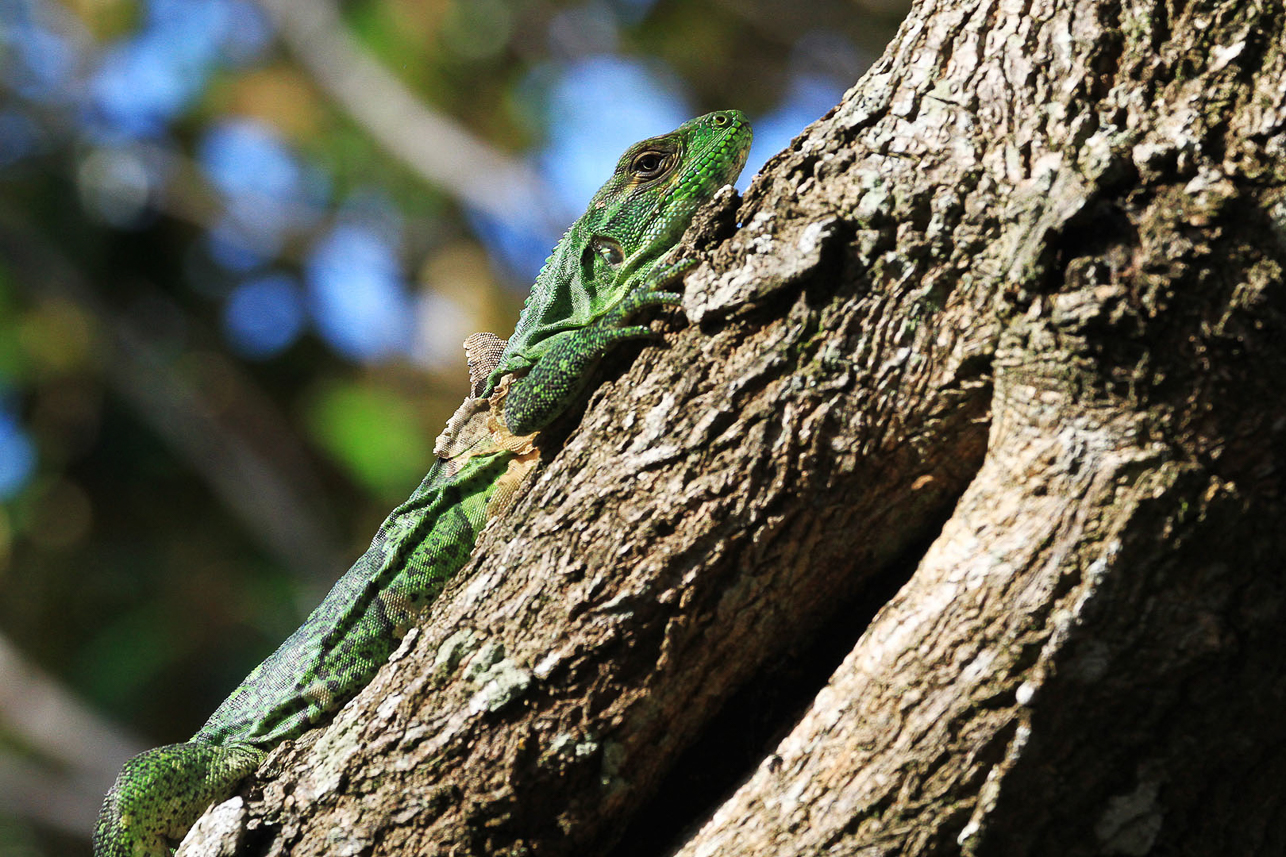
(609, 250)
(649, 164)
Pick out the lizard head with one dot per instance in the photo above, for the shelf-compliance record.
(659, 183)
(631, 223)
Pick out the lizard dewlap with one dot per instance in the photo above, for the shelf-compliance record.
(606, 268)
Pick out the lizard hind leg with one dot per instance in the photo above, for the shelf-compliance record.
(161, 793)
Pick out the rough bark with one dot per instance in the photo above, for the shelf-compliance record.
(1006, 329)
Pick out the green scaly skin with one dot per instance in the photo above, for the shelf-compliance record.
(610, 264)
(606, 268)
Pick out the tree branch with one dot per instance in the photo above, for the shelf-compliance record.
(1027, 280)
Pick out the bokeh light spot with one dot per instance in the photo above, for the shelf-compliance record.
(242, 156)
(140, 85)
(17, 456)
(264, 316)
(114, 186)
(591, 124)
(357, 295)
(268, 193)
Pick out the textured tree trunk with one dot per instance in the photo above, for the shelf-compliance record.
(951, 522)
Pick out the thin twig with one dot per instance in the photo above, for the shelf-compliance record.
(437, 148)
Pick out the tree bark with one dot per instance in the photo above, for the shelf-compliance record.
(1004, 333)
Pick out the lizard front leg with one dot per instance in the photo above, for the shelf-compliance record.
(566, 366)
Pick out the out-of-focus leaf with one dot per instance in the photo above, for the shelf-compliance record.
(374, 434)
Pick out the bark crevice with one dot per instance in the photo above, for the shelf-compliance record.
(740, 737)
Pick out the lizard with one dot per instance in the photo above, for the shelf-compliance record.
(611, 263)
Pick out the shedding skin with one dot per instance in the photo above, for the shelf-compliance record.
(607, 267)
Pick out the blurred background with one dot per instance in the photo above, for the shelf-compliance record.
(241, 242)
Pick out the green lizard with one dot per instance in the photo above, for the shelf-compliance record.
(607, 266)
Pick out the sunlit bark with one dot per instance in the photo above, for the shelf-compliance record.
(1006, 330)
